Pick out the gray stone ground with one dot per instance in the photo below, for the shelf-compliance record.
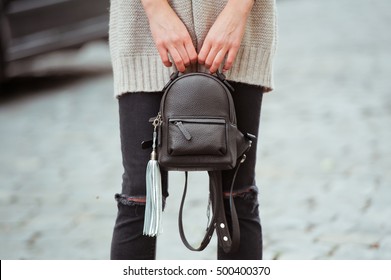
(324, 159)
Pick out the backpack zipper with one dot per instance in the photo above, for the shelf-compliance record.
(183, 129)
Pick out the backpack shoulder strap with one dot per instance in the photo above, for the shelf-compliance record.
(209, 231)
(229, 239)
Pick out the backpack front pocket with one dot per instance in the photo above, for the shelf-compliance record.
(197, 136)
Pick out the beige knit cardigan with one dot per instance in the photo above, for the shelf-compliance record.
(136, 62)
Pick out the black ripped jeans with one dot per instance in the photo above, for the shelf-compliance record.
(135, 109)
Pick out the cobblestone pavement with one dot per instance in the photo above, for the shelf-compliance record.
(324, 159)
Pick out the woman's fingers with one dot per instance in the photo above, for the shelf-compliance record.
(225, 36)
(170, 35)
(218, 61)
(204, 52)
(164, 56)
(183, 54)
(181, 50)
(230, 58)
(222, 41)
(191, 52)
(179, 61)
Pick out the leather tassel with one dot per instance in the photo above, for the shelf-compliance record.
(154, 198)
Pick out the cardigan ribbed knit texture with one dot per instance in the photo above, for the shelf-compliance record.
(136, 62)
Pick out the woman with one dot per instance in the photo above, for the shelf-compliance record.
(148, 40)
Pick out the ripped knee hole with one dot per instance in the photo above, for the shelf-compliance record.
(248, 193)
(130, 200)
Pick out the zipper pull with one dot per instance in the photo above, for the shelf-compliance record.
(157, 126)
(156, 121)
(183, 129)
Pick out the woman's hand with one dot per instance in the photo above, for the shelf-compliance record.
(225, 36)
(170, 34)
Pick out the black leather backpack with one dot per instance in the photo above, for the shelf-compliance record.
(196, 130)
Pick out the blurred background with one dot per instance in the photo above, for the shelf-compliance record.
(324, 154)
